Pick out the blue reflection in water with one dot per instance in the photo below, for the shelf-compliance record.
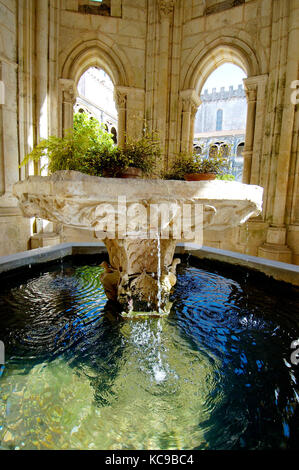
(226, 339)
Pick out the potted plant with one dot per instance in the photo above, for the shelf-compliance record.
(141, 157)
(194, 167)
(87, 148)
(112, 163)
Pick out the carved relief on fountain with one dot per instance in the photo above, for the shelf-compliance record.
(140, 222)
(138, 269)
(139, 255)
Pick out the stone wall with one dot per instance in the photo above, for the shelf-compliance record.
(159, 53)
(231, 102)
(13, 228)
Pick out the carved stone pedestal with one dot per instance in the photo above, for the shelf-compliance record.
(128, 215)
(141, 273)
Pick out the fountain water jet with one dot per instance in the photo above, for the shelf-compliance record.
(140, 222)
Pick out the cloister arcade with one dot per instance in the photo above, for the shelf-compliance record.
(158, 55)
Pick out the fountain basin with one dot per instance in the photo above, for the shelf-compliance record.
(72, 198)
(215, 374)
(140, 222)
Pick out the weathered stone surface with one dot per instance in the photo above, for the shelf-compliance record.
(141, 253)
(76, 199)
(154, 52)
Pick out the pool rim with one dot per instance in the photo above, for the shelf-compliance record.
(276, 270)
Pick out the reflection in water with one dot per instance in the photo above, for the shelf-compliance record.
(211, 375)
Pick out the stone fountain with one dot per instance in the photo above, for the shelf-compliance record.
(140, 221)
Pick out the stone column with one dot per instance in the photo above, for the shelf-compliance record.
(261, 82)
(285, 145)
(166, 8)
(252, 234)
(135, 112)
(42, 69)
(251, 92)
(14, 228)
(120, 97)
(53, 67)
(194, 109)
(130, 106)
(276, 244)
(41, 64)
(9, 164)
(186, 119)
(69, 95)
(190, 103)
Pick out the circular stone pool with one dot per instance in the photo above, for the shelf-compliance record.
(215, 374)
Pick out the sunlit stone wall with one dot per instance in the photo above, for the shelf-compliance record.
(158, 55)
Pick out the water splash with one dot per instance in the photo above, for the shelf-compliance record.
(159, 293)
(159, 370)
(75, 378)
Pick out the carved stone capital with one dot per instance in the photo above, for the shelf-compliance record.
(166, 7)
(186, 104)
(190, 101)
(120, 98)
(251, 94)
(194, 109)
(255, 86)
(69, 90)
(250, 89)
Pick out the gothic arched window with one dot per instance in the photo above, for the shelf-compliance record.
(219, 120)
(240, 149)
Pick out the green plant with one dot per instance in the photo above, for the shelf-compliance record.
(144, 153)
(184, 163)
(226, 177)
(84, 148)
(88, 148)
(193, 163)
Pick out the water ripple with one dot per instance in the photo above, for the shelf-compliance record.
(214, 374)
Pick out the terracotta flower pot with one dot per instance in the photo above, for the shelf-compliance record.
(108, 174)
(131, 172)
(199, 176)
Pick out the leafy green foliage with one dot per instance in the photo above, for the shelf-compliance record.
(193, 163)
(82, 148)
(88, 148)
(226, 177)
(144, 153)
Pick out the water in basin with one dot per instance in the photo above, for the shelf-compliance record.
(214, 374)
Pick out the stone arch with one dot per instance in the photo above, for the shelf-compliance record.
(93, 53)
(203, 61)
(197, 149)
(96, 53)
(239, 148)
(80, 108)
